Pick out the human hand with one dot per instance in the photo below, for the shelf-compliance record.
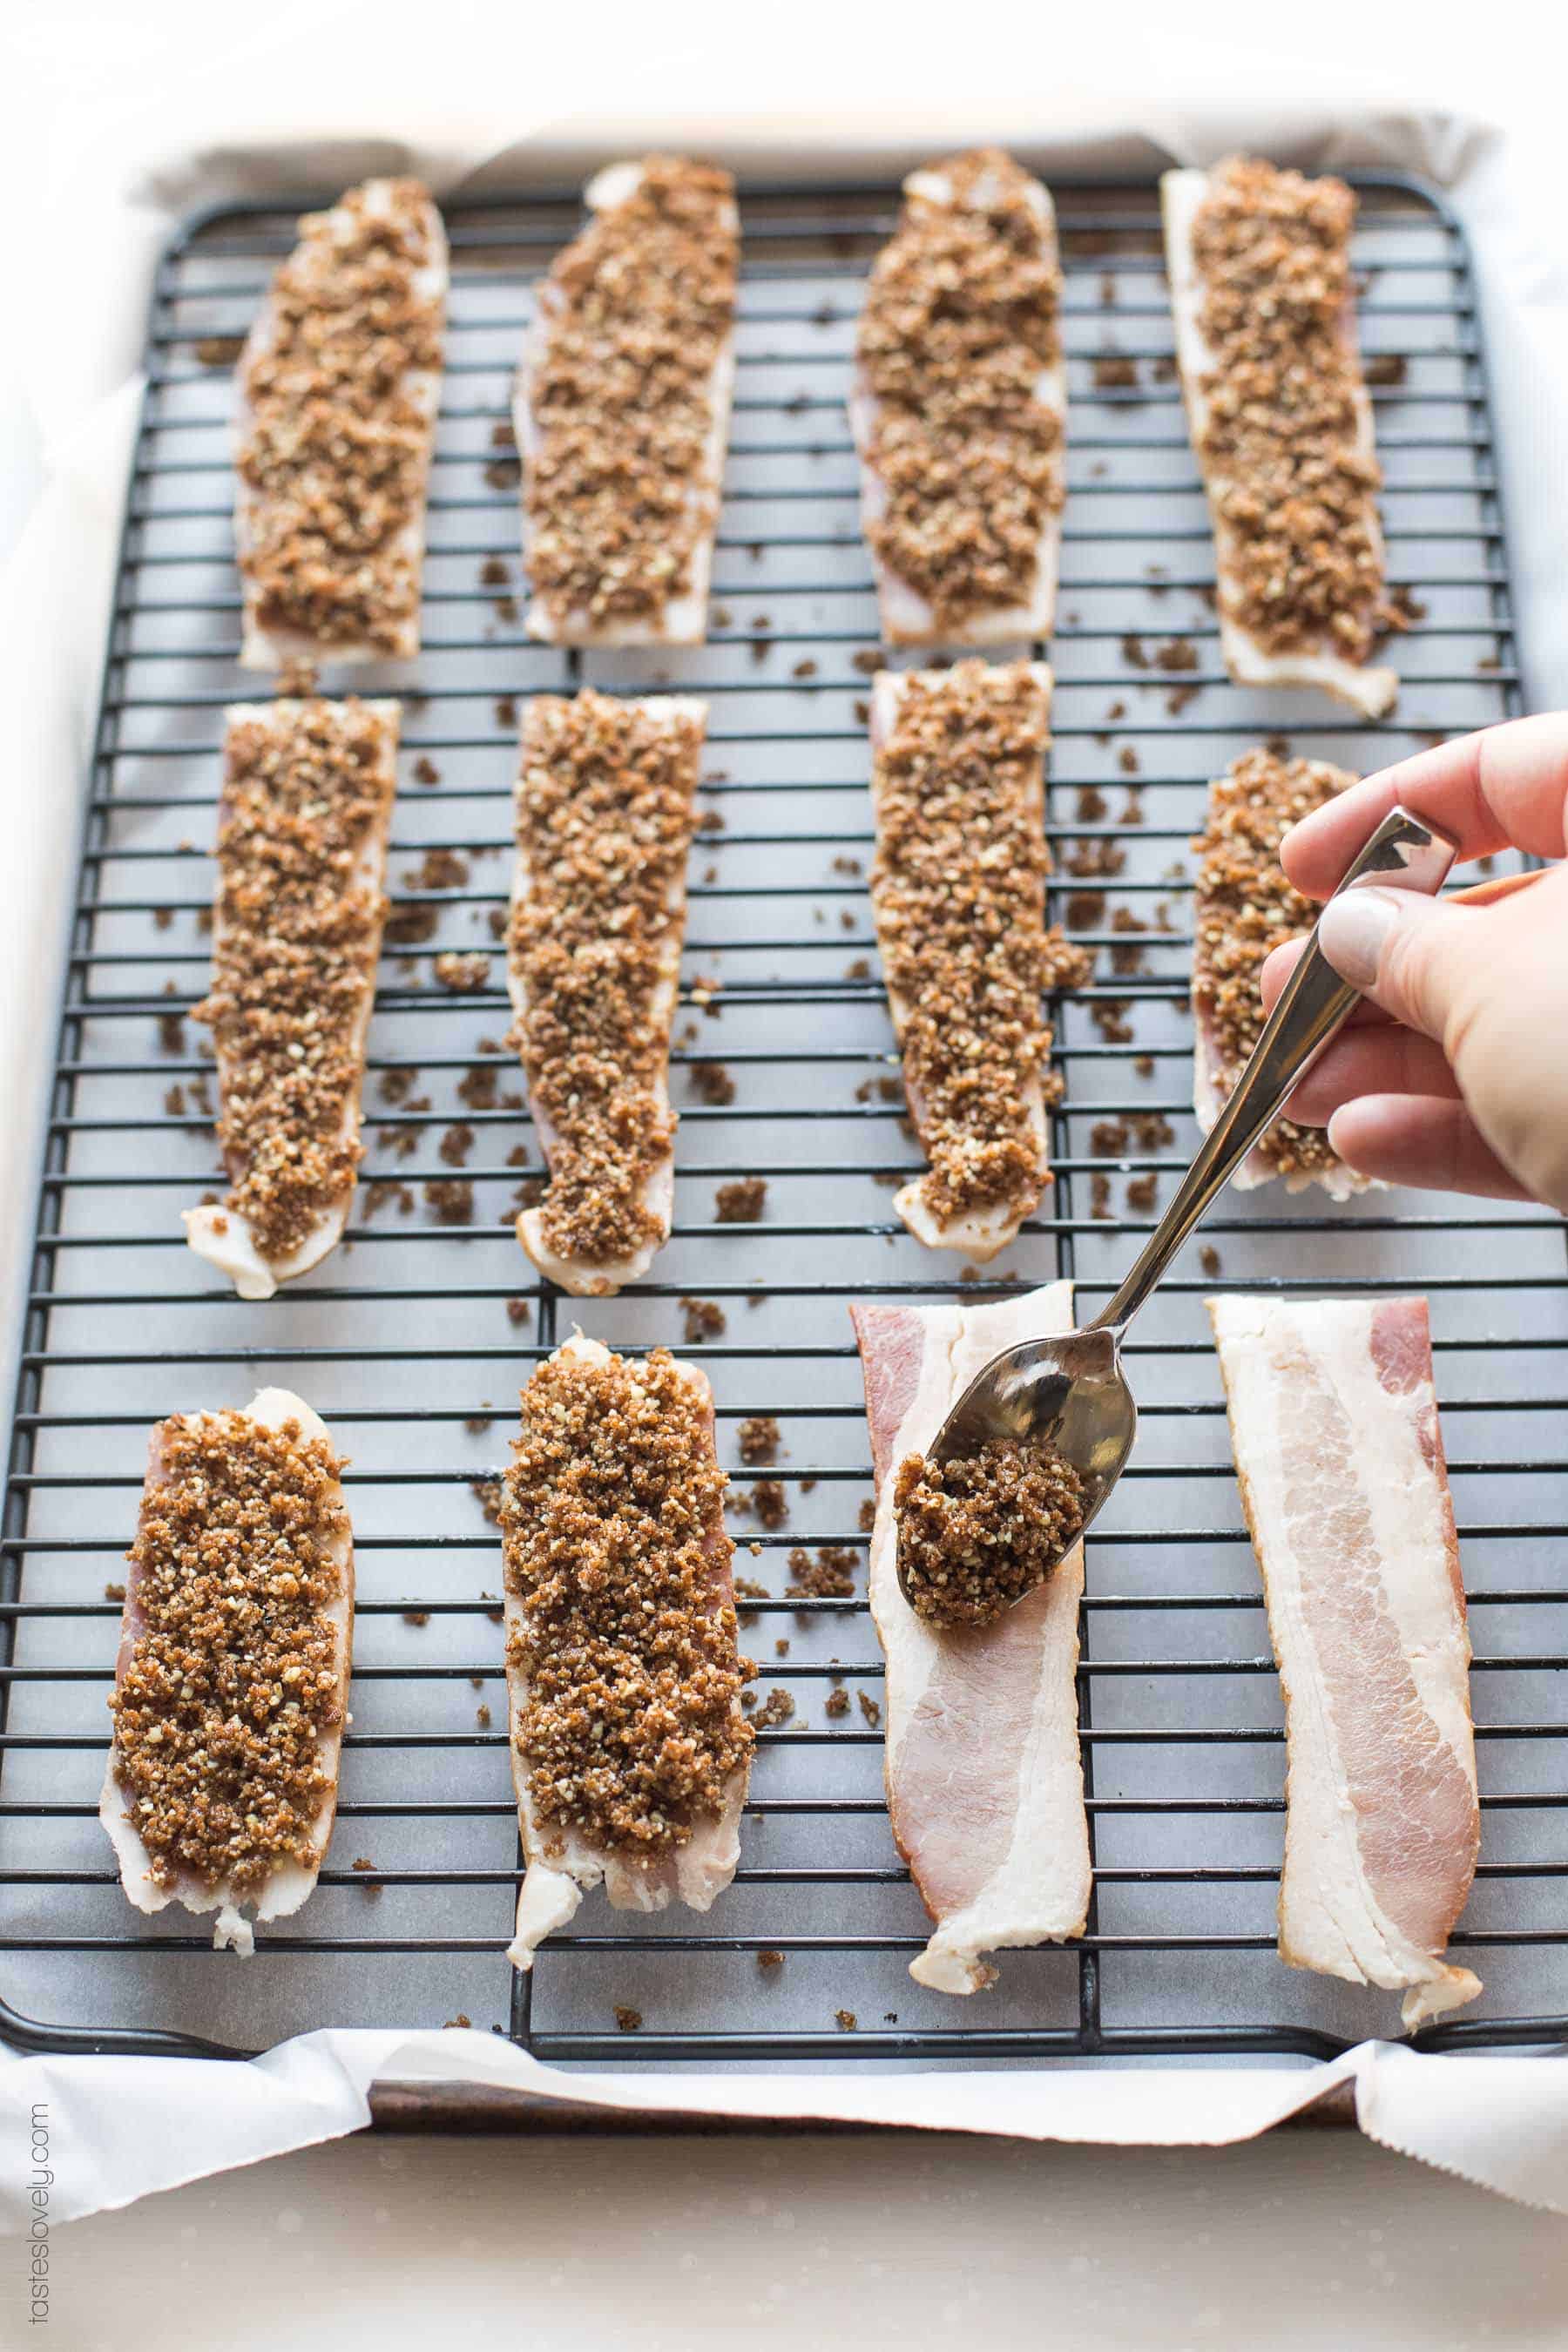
(1454, 1073)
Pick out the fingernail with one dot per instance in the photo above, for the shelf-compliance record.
(1354, 931)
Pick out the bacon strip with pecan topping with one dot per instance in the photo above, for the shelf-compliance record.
(959, 409)
(232, 1682)
(623, 409)
(1241, 909)
(630, 1753)
(339, 385)
(1263, 299)
(605, 812)
(958, 893)
(301, 850)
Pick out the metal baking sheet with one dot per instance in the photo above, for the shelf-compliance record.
(403, 1339)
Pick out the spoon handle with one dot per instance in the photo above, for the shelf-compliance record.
(1406, 853)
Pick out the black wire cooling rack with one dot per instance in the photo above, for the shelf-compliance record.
(413, 1339)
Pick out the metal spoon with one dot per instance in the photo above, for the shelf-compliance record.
(1071, 1393)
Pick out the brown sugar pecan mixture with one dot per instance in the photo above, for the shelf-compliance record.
(976, 1535)
(233, 1683)
(959, 322)
(307, 794)
(1285, 441)
(612, 1521)
(1243, 908)
(605, 808)
(958, 890)
(338, 415)
(621, 480)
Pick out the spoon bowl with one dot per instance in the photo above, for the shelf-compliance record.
(1069, 1395)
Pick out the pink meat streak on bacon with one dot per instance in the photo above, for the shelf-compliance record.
(1334, 1422)
(985, 1781)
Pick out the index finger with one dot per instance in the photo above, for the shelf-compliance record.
(1505, 787)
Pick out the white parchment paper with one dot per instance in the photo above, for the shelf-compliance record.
(124, 2127)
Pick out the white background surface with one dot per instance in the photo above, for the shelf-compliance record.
(1310, 2239)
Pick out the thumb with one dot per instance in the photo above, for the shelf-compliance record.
(1411, 954)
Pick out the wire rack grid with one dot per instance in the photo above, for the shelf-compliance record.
(413, 1339)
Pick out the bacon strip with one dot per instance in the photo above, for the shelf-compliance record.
(1251, 660)
(330, 554)
(302, 834)
(958, 894)
(1333, 1418)
(289, 1882)
(984, 1774)
(598, 910)
(653, 277)
(1242, 908)
(971, 469)
(562, 1863)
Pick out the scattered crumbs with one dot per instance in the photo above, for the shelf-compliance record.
(869, 1707)
(505, 710)
(1134, 653)
(1143, 1064)
(1179, 654)
(741, 1202)
(219, 351)
(829, 1577)
(627, 2021)
(770, 1502)
(361, 1862)
(859, 970)
(477, 1424)
(1385, 367)
(1092, 804)
(837, 1703)
(455, 1145)
(458, 2020)
(1110, 1016)
(868, 1514)
(426, 772)
(1142, 1193)
(482, 1717)
(519, 1311)
(778, 1707)
(1114, 372)
(704, 1320)
(781, 1647)
(417, 1616)
(769, 1961)
(868, 660)
(175, 1102)
(1208, 1258)
(495, 573)
(462, 973)
(1127, 760)
(862, 711)
(1100, 1195)
(711, 1083)
(711, 820)
(845, 2020)
(850, 865)
(803, 669)
(452, 1198)
(758, 1438)
(114, 1592)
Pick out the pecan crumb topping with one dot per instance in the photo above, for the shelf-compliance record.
(1243, 908)
(339, 400)
(605, 807)
(622, 484)
(612, 1521)
(959, 327)
(233, 1684)
(307, 794)
(976, 1535)
(1286, 440)
(958, 888)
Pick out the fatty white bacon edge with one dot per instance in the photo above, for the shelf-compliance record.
(683, 620)
(603, 1277)
(1371, 690)
(1340, 1183)
(906, 617)
(980, 1233)
(269, 648)
(984, 1772)
(1333, 1420)
(694, 1874)
(290, 1883)
(223, 1236)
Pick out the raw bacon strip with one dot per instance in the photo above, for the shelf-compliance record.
(605, 811)
(984, 1779)
(629, 1751)
(958, 892)
(301, 850)
(959, 409)
(1242, 908)
(1333, 1418)
(1262, 297)
(232, 1680)
(621, 409)
(339, 385)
